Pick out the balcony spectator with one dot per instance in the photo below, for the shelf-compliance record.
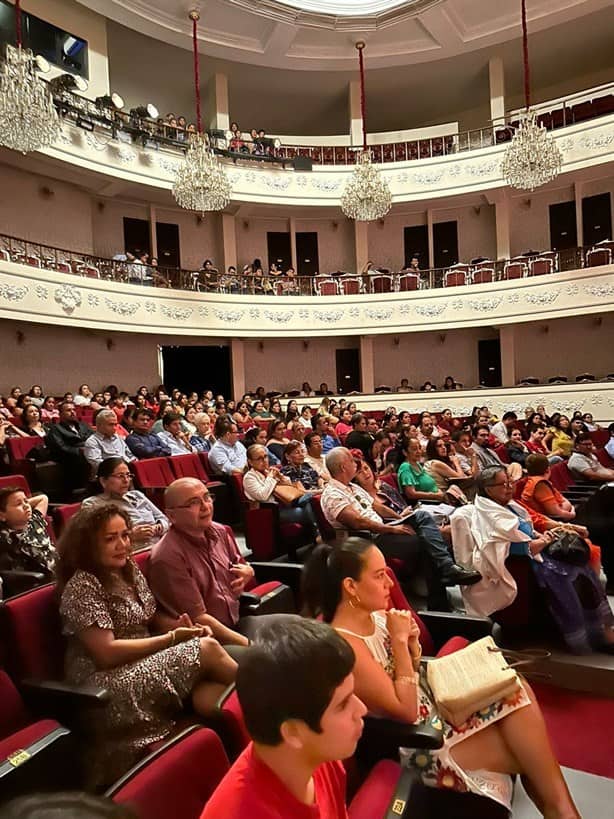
(142, 441)
(237, 145)
(202, 440)
(503, 428)
(83, 396)
(449, 383)
(172, 434)
(306, 390)
(148, 522)
(404, 386)
(428, 386)
(323, 389)
(49, 411)
(227, 455)
(105, 442)
(24, 541)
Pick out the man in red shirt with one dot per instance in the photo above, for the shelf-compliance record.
(296, 689)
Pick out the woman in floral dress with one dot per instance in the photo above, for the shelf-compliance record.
(349, 586)
(107, 608)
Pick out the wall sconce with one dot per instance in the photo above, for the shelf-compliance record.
(442, 338)
(396, 341)
(20, 337)
(545, 329)
(598, 321)
(245, 224)
(477, 210)
(110, 344)
(527, 202)
(261, 346)
(381, 222)
(305, 345)
(46, 193)
(335, 225)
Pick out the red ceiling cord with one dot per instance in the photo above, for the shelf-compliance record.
(525, 57)
(18, 23)
(363, 106)
(195, 17)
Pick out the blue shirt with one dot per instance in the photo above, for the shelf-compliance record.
(329, 442)
(147, 445)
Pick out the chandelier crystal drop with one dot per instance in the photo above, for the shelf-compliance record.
(201, 183)
(28, 119)
(366, 196)
(532, 158)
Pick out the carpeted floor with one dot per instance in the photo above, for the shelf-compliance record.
(581, 727)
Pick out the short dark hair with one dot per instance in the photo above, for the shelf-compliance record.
(583, 437)
(223, 425)
(356, 418)
(170, 418)
(107, 467)
(291, 671)
(142, 411)
(309, 438)
(5, 493)
(509, 416)
(537, 464)
(478, 427)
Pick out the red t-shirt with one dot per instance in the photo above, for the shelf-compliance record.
(251, 790)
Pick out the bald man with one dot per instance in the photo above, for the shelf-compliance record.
(197, 568)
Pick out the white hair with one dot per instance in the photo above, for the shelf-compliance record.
(335, 458)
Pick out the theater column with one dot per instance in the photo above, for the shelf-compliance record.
(502, 221)
(229, 240)
(496, 78)
(237, 360)
(507, 340)
(216, 103)
(361, 245)
(367, 371)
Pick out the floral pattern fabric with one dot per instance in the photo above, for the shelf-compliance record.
(30, 550)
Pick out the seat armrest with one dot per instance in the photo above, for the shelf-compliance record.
(279, 600)
(382, 738)
(60, 699)
(287, 573)
(248, 599)
(15, 581)
(442, 625)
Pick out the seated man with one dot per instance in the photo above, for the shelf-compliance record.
(314, 457)
(173, 436)
(349, 508)
(142, 442)
(503, 428)
(227, 455)
(359, 437)
(66, 440)
(196, 568)
(321, 425)
(584, 464)
(485, 454)
(105, 442)
(296, 690)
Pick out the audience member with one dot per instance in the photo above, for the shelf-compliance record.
(539, 493)
(443, 465)
(258, 435)
(296, 691)
(197, 568)
(359, 437)
(147, 522)
(414, 481)
(31, 422)
(142, 442)
(66, 441)
(83, 396)
(404, 386)
(25, 544)
(202, 440)
(321, 425)
(426, 429)
(501, 431)
(609, 447)
(107, 608)
(584, 464)
(349, 587)
(227, 455)
(314, 457)
(277, 440)
(300, 473)
(559, 437)
(173, 436)
(105, 442)
(517, 450)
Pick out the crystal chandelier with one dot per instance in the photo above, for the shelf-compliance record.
(28, 119)
(532, 158)
(366, 196)
(201, 183)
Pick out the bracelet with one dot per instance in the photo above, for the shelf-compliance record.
(173, 638)
(406, 679)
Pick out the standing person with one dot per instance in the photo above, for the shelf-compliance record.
(348, 585)
(296, 690)
(107, 610)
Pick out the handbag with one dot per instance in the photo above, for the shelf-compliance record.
(470, 679)
(287, 494)
(569, 547)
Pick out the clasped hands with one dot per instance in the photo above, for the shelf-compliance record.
(403, 628)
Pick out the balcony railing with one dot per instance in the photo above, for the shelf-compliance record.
(338, 283)
(155, 135)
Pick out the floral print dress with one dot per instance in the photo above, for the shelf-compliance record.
(146, 696)
(438, 768)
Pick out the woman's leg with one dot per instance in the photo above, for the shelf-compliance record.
(519, 743)
(215, 663)
(205, 697)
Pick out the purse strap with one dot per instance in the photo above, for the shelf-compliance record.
(525, 657)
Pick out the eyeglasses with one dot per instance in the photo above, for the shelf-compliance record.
(122, 476)
(505, 485)
(195, 503)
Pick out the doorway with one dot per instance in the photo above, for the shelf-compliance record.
(136, 236)
(445, 243)
(563, 229)
(416, 243)
(596, 218)
(489, 362)
(169, 254)
(279, 250)
(307, 258)
(348, 370)
(196, 368)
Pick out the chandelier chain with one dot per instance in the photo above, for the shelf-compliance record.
(525, 57)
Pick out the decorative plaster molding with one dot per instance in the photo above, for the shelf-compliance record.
(12, 292)
(123, 308)
(176, 313)
(603, 291)
(41, 292)
(431, 310)
(229, 316)
(329, 316)
(279, 318)
(68, 297)
(542, 296)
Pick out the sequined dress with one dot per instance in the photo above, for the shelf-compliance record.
(438, 768)
(146, 696)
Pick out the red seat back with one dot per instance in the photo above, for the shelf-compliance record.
(19, 448)
(560, 476)
(188, 466)
(64, 513)
(141, 558)
(15, 480)
(152, 473)
(13, 713)
(31, 626)
(408, 281)
(600, 437)
(326, 530)
(178, 779)
(503, 454)
(604, 458)
(391, 480)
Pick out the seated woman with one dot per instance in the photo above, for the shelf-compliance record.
(300, 473)
(260, 411)
(31, 422)
(503, 527)
(24, 541)
(443, 466)
(349, 587)
(49, 411)
(257, 435)
(147, 522)
(107, 610)
(292, 415)
(539, 494)
(265, 484)
(242, 417)
(415, 483)
(381, 492)
(559, 437)
(202, 440)
(304, 418)
(517, 450)
(277, 440)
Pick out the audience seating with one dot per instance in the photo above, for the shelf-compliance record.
(408, 281)
(175, 780)
(540, 266)
(456, 276)
(514, 269)
(18, 481)
(152, 476)
(598, 256)
(381, 283)
(326, 287)
(483, 273)
(351, 286)
(63, 514)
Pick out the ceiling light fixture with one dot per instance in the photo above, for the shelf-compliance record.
(366, 196)
(201, 183)
(532, 158)
(28, 119)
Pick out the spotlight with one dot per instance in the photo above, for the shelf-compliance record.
(67, 82)
(229, 135)
(145, 111)
(110, 101)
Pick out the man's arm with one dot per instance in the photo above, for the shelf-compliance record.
(93, 452)
(349, 518)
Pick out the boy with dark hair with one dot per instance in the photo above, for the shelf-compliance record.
(296, 689)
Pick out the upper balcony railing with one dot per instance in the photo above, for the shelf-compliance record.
(339, 283)
(156, 135)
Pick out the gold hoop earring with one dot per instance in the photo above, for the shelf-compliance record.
(354, 601)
